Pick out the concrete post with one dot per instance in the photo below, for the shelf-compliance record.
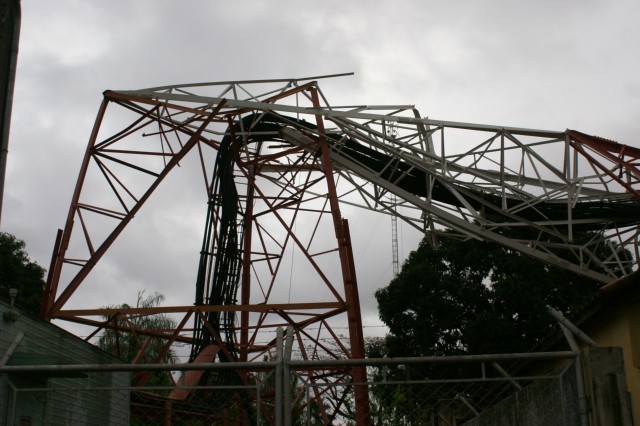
(607, 385)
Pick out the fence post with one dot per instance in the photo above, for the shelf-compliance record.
(608, 386)
(167, 412)
(308, 405)
(580, 383)
(14, 402)
(286, 373)
(280, 361)
(11, 349)
(258, 401)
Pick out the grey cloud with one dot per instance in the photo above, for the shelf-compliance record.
(548, 65)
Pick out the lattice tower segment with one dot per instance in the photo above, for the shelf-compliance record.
(284, 161)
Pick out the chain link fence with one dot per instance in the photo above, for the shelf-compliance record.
(470, 391)
(548, 398)
(542, 389)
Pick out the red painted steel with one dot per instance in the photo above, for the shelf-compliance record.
(283, 172)
(263, 250)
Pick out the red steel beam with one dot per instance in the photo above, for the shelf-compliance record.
(77, 280)
(362, 409)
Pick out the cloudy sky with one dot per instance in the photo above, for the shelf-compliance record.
(545, 65)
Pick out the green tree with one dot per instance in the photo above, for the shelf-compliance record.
(130, 333)
(463, 297)
(469, 297)
(19, 272)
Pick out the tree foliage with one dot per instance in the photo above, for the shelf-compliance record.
(469, 297)
(460, 297)
(19, 272)
(127, 338)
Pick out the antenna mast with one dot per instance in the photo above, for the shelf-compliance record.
(392, 133)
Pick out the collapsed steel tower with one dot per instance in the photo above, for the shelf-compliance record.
(284, 161)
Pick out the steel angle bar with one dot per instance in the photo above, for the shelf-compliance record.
(360, 188)
(57, 261)
(535, 155)
(301, 246)
(235, 82)
(473, 212)
(476, 151)
(297, 138)
(199, 308)
(532, 200)
(452, 359)
(377, 203)
(378, 138)
(395, 109)
(137, 125)
(79, 277)
(325, 112)
(515, 220)
(554, 185)
(612, 151)
(471, 228)
(611, 173)
(433, 167)
(529, 145)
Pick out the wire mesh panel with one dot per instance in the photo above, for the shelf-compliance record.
(461, 403)
(494, 390)
(552, 401)
(471, 395)
(60, 403)
(210, 405)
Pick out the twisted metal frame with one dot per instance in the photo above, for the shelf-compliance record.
(292, 160)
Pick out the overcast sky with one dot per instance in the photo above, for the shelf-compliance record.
(544, 64)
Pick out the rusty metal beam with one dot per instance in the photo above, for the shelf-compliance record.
(273, 307)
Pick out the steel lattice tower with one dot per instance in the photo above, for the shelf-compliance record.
(285, 160)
